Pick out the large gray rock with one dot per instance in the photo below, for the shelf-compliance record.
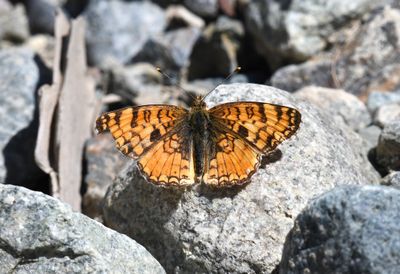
(388, 149)
(204, 8)
(103, 163)
(298, 29)
(170, 51)
(341, 105)
(117, 30)
(239, 230)
(40, 234)
(352, 229)
(19, 76)
(13, 22)
(376, 40)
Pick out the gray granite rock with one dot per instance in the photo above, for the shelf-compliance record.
(371, 135)
(388, 149)
(117, 30)
(13, 22)
(386, 114)
(204, 8)
(377, 99)
(40, 234)
(239, 230)
(19, 76)
(392, 179)
(170, 51)
(351, 229)
(340, 104)
(345, 66)
(311, 73)
(103, 163)
(42, 14)
(220, 44)
(298, 29)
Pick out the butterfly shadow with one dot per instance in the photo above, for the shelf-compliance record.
(212, 192)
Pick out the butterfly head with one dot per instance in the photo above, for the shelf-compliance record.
(198, 103)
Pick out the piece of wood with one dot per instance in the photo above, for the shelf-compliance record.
(48, 98)
(75, 117)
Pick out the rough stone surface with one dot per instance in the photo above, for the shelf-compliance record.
(378, 99)
(386, 114)
(13, 22)
(103, 163)
(42, 14)
(138, 83)
(204, 8)
(239, 230)
(371, 135)
(339, 104)
(369, 60)
(19, 77)
(298, 29)
(388, 150)
(352, 229)
(117, 30)
(295, 77)
(220, 42)
(40, 234)
(392, 179)
(170, 51)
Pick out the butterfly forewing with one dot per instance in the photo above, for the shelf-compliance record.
(136, 129)
(262, 125)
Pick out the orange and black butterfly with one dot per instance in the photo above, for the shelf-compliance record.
(221, 146)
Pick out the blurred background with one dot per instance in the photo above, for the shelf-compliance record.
(63, 62)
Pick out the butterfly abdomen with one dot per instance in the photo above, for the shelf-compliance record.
(199, 124)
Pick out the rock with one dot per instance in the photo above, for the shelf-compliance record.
(240, 230)
(371, 135)
(295, 77)
(388, 149)
(392, 179)
(351, 229)
(44, 46)
(376, 99)
(117, 30)
(345, 66)
(13, 22)
(298, 29)
(40, 234)
(339, 104)
(387, 114)
(220, 43)
(140, 83)
(170, 51)
(19, 77)
(42, 14)
(103, 163)
(203, 8)
(178, 15)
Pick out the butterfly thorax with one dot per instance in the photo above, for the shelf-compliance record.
(199, 121)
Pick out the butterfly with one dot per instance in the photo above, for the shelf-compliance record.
(221, 146)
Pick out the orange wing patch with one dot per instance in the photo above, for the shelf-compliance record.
(136, 129)
(230, 161)
(262, 125)
(170, 161)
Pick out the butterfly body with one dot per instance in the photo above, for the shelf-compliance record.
(221, 146)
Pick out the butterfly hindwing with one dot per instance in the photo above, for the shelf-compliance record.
(231, 161)
(136, 129)
(262, 125)
(170, 161)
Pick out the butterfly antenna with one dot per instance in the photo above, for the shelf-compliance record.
(170, 78)
(236, 70)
